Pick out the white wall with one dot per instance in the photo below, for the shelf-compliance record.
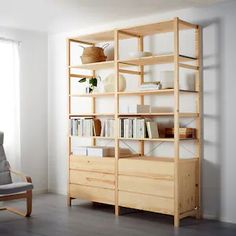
(219, 48)
(33, 103)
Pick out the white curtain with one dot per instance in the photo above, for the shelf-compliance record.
(10, 100)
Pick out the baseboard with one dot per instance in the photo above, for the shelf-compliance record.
(39, 191)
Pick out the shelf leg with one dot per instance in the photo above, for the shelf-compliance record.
(117, 210)
(176, 220)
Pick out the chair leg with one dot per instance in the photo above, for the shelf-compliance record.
(28, 206)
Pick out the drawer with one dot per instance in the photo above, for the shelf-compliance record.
(162, 188)
(146, 202)
(94, 179)
(96, 164)
(92, 193)
(146, 168)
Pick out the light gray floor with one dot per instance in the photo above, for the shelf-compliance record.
(52, 217)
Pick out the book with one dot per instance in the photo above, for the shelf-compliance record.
(152, 129)
(97, 127)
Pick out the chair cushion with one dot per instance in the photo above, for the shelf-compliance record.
(5, 176)
(15, 187)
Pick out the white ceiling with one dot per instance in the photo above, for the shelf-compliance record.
(67, 15)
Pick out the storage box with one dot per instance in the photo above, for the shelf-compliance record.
(98, 151)
(161, 109)
(106, 151)
(138, 109)
(80, 151)
(183, 132)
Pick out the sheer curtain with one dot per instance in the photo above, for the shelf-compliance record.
(10, 100)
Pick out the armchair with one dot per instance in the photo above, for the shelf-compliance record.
(10, 190)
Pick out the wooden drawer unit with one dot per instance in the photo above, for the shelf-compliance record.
(163, 169)
(92, 193)
(94, 179)
(93, 164)
(146, 202)
(151, 186)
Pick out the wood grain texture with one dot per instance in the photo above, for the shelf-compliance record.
(146, 202)
(95, 164)
(92, 193)
(93, 179)
(136, 184)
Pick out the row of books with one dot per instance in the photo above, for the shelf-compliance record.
(138, 128)
(108, 127)
(85, 127)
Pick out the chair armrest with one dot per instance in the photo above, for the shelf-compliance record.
(22, 176)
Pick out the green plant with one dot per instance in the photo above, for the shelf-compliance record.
(93, 82)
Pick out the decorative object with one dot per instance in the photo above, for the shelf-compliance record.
(93, 54)
(150, 86)
(187, 82)
(167, 79)
(108, 84)
(91, 83)
(183, 133)
(139, 54)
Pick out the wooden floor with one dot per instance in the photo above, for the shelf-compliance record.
(52, 217)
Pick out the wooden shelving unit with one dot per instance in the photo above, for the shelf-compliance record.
(164, 185)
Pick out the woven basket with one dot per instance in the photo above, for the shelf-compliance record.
(93, 54)
(92, 59)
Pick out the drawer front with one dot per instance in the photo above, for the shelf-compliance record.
(104, 165)
(94, 179)
(162, 188)
(146, 202)
(147, 168)
(92, 193)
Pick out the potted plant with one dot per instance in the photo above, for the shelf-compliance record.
(91, 82)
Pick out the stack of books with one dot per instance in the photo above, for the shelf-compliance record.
(150, 86)
(85, 127)
(138, 128)
(107, 129)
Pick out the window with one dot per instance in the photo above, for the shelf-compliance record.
(10, 99)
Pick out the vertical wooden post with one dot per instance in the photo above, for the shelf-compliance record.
(116, 58)
(176, 122)
(69, 124)
(198, 87)
(141, 80)
(94, 108)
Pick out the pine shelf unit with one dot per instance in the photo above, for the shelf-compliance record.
(159, 184)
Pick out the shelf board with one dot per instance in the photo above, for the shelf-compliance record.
(153, 92)
(91, 114)
(95, 137)
(152, 60)
(159, 114)
(140, 30)
(142, 61)
(156, 139)
(92, 95)
(94, 66)
(162, 159)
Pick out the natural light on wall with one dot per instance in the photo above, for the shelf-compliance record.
(10, 100)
